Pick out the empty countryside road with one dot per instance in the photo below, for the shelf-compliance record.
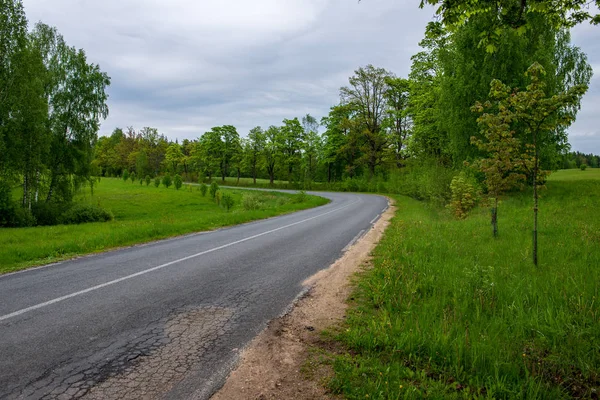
(166, 319)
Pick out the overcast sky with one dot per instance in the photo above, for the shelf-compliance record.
(184, 66)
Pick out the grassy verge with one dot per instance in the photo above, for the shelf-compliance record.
(142, 213)
(449, 312)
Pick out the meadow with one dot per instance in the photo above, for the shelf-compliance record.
(141, 214)
(447, 311)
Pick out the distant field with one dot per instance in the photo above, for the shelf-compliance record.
(141, 214)
(575, 175)
(450, 312)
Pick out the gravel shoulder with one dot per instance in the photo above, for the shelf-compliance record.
(273, 365)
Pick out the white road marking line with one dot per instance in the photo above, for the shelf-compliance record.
(375, 219)
(93, 288)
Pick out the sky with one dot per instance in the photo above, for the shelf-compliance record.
(184, 66)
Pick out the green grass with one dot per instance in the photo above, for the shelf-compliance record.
(575, 175)
(141, 214)
(449, 312)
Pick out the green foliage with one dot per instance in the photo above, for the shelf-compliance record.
(218, 197)
(178, 182)
(156, 182)
(167, 181)
(227, 201)
(300, 197)
(465, 195)
(148, 180)
(583, 167)
(132, 177)
(49, 213)
(449, 312)
(214, 188)
(141, 181)
(125, 175)
(203, 189)
(84, 213)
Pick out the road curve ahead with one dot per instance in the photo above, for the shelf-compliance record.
(165, 319)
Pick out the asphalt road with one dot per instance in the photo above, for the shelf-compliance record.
(166, 319)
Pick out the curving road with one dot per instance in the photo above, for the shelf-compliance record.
(165, 319)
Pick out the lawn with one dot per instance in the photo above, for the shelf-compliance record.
(141, 214)
(449, 312)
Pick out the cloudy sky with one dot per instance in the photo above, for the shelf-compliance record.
(184, 66)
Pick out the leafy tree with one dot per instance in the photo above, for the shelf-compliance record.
(254, 148)
(156, 182)
(290, 145)
(311, 145)
(366, 95)
(398, 119)
(174, 156)
(125, 175)
(132, 177)
(272, 154)
(148, 180)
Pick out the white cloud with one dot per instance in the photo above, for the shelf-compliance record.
(184, 66)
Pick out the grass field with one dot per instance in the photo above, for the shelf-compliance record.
(449, 312)
(142, 213)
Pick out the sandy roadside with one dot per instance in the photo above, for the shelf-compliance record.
(270, 367)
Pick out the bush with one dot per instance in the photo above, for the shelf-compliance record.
(178, 182)
(203, 189)
(465, 194)
(251, 202)
(214, 188)
(132, 177)
(148, 180)
(125, 175)
(82, 213)
(218, 197)
(166, 181)
(11, 215)
(583, 167)
(141, 181)
(48, 213)
(156, 182)
(23, 217)
(228, 201)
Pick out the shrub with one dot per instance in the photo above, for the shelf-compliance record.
(228, 201)
(177, 181)
(251, 202)
(11, 215)
(125, 175)
(141, 181)
(218, 197)
(203, 189)
(132, 177)
(148, 180)
(166, 181)
(465, 194)
(23, 217)
(583, 167)
(214, 188)
(156, 182)
(48, 213)
(82, 213)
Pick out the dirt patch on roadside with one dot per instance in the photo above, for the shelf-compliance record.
(271, 366)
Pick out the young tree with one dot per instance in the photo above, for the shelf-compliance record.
(272, 154)
(174, 157)
(398, 119)
(291, 145)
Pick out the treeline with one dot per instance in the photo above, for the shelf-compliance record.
(576, 159)
(51, 102)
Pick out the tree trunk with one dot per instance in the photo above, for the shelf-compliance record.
(495, 217)
(535, 201)
(238, 176)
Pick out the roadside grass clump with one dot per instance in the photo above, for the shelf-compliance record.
(203, 188)
(251, 202)
(447, 311)
(141, 214)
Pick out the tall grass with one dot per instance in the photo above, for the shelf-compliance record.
(449, 312)
(141, 213)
